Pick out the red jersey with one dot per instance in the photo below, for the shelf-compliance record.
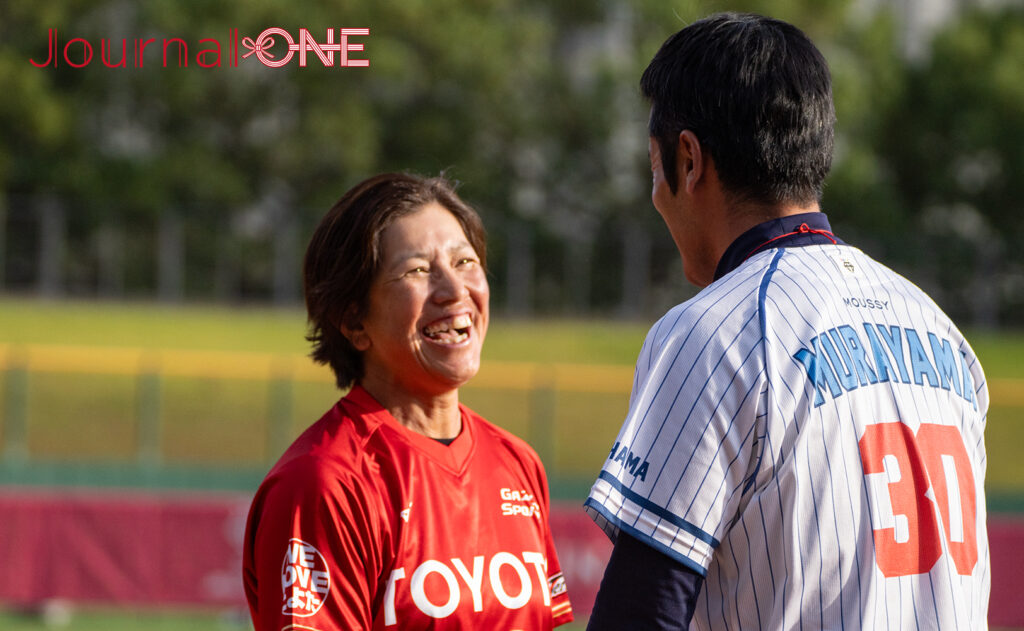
(365, 524)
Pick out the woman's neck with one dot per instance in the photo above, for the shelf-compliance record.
(433, 415)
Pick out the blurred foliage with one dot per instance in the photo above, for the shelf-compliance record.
(953, 144)
(532, 105)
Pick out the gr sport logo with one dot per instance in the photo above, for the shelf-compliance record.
(305, 579)
(519, 503)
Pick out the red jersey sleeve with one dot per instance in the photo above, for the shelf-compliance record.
(313, 553)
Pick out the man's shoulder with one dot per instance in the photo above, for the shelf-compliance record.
(720, 301)
(838, 262)
(840, 272)
(723, 314)
(794, 281)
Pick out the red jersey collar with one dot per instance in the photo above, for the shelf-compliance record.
(454, 456)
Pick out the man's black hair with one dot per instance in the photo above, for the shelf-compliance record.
(757, 94)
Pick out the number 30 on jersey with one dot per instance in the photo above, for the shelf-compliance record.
(906, 475)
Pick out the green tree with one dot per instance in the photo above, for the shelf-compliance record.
(533, 105)
(954, 143)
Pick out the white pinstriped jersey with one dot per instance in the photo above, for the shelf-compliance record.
(807, 433)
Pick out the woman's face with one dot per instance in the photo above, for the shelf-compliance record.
(428, 306)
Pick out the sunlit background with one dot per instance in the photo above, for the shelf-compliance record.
(153, 217)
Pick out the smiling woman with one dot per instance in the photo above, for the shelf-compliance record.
(401, 508)
(426, 320)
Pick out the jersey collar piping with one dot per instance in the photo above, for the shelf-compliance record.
(792, 231)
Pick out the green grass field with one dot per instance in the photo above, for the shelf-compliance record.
(91, 419)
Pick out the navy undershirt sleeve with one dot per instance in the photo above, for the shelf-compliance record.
(644, 589)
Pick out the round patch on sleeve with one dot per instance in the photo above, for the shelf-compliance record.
(305, 579)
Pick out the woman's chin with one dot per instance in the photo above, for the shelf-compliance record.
(453, 363)
(451, 375)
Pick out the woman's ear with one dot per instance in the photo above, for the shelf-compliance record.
(352, 328)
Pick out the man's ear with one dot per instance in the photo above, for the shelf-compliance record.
(689, 161)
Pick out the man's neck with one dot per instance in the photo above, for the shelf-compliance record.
(743, 217)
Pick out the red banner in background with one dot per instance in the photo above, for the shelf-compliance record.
(168, 549)
(583, 551)
(121, 548)
(1006, 547)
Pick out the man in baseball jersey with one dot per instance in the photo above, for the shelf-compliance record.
(804, 444)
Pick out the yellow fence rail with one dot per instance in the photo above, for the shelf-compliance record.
(567, 411)
(129, 361)
(107, 360)
(537, 387)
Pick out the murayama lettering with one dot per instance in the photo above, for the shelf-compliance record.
(842, 359)
(631, 463)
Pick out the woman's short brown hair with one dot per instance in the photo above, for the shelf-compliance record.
(344, 256)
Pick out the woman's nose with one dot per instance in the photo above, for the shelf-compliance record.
(448, 286)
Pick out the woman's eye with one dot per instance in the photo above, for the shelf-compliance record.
(418, 270)
(467, 261)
